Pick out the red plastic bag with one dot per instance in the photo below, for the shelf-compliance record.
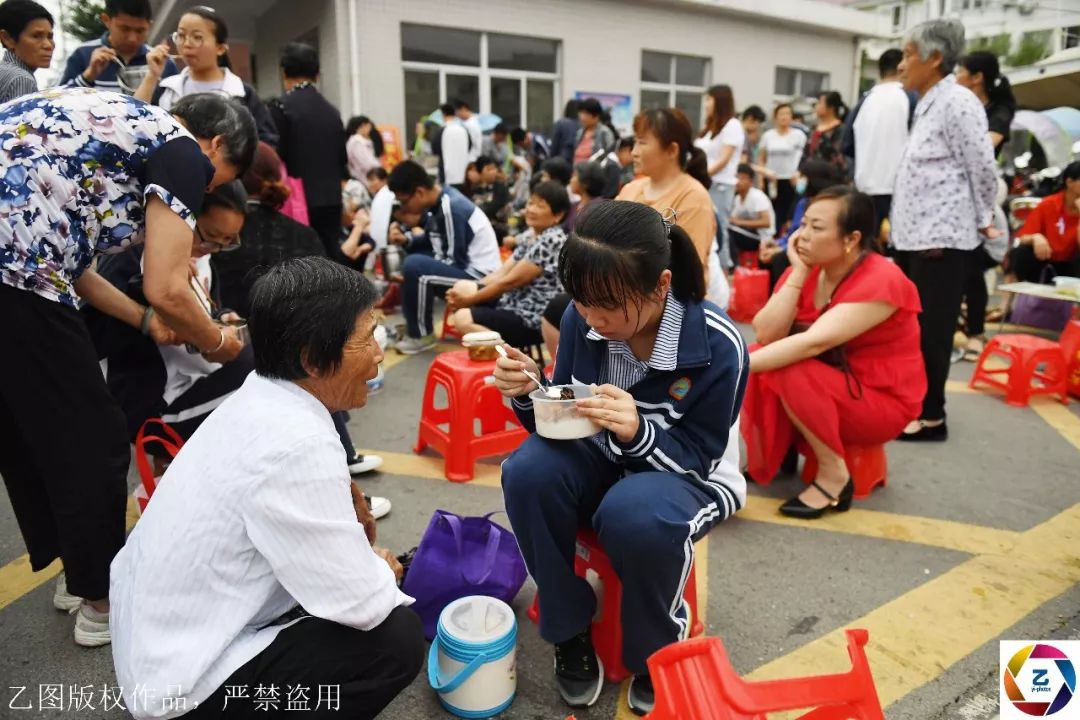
(296, 204)
(749, 293)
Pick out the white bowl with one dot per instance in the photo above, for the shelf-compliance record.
(1062, 281)
(560, 419)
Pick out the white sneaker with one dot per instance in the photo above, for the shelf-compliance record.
(380, 506)
(412, 346)
(360, 464)
(62, 599)
(91, 627)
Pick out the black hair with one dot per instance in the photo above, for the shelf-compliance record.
(889, 62)
(483, 161)
(299, 60)
(221, 30)
(304, 310)
(746, 169)
(207, 115)
(570, 110)
(377, 145)
(407, 177)
(591, 177)
(517, 135)
(617, 252)
(819, 175)
(591, 106)
(754, 112)
(355, 123)
(460, 104)
(995, 83)
(135, 8)
(500, 129)
(230, 196)
(446, 109)
(834, 101)
(378, 172)
(1071, 171)
(857, 213)
(15, 15)
(554, 195)
(558, 169)
(781, 106)
(626, 143)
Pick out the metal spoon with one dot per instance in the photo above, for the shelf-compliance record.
(502, 351)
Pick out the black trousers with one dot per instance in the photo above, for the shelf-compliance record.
(975, 293)
(939, 276)
(63, 442)
(366, 670)
(326, 221)
(1022, 262)
(784, 202)
(882, 207)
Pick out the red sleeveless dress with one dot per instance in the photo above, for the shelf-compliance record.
(868, 404)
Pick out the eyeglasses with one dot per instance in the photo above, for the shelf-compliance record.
(194, 39)
(211, 246)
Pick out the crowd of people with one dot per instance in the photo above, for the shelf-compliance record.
(194, 283)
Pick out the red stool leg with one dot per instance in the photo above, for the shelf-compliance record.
(868, 466)
(427, 410)
(1020, 373)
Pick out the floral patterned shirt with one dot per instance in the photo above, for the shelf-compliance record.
(530, 300)
(946, 185)
(76, 169)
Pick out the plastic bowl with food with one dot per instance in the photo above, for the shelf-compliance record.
(556, 413)
(1064, 281)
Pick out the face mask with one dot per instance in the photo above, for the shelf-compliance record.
(800, 186)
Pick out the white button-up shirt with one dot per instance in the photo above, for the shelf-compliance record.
(946, 185)
(254, 517)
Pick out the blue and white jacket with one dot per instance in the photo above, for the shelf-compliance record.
(79, 60)
(689, 415)
(460, 234)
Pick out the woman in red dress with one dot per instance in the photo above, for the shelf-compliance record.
(839, 360)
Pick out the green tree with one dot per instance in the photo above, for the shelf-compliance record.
(1034, 46)
(83, 19)
(999, 44)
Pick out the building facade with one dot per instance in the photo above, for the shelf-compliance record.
(396, 60)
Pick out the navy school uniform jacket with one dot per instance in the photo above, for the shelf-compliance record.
(688, 415)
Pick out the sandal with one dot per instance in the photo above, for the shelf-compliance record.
(974, 348)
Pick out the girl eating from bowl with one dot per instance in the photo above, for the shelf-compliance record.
(667, 371)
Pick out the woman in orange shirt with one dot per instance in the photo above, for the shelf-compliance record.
(676, 177)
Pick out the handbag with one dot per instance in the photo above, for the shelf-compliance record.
(461, 556)
(295, 205)
(1041, 312)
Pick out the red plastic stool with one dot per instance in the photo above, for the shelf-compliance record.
(748, 259)
(170, 441)
(470, 397)
(867, 465)
(449, 332)
(749, 293)
(1025, 353)
(695, 679)
(607, 625)
(1070, 345)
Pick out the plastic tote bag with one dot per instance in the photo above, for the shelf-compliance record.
(461, 556)
(295, 205)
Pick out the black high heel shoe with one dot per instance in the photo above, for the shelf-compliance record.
(798, 509)
(926, 433)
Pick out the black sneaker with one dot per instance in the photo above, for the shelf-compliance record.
(578, 671)
(641, 697)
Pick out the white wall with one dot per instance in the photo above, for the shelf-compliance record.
(287, 20)
(601, 45)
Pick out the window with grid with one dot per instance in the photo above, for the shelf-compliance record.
(513, 76)
(792, 83)
(1070, 37)
(669, 80)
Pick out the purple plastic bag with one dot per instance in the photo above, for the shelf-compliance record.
(1041, 312)
(460, 556)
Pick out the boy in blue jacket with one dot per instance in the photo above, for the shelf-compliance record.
(670, 370)
(462, 245)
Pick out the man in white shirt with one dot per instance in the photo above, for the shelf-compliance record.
(752, 221)
(880, 131)
(249, 567)
(472, 124)
(453, 149)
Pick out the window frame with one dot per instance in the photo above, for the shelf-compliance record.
(800, 94)
(671, 87)
(484, 73)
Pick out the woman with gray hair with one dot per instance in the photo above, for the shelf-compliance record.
(943, 204)
(90, 173)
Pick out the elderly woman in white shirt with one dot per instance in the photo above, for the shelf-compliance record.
(943, 202)
(254, 564)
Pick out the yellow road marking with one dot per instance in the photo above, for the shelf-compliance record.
(920, 634)
(17, 579)
(1058, 417)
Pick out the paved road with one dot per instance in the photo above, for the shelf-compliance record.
(972, 541)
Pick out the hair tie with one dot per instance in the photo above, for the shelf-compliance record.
(997, 81)
(688, 155)
(669, 217)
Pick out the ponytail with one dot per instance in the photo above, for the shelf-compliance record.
(1000, 93)
(697, 167)
(687, 273)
